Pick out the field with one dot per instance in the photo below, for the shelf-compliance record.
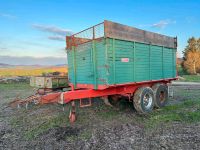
(191, 78)
(186, 77)
(176, 126)
(30, 71)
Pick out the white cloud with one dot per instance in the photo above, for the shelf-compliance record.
(52, 29)
(57, 37)
(8, 16)
(161, 24)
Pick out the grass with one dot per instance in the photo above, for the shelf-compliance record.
(49, 122)
(8, 92)
(191, 78)
(54, 122)
(98, 116)
(14, 86)
(30, 71)
(186, 76)
(186, 112)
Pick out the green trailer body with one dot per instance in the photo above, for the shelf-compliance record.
(120, 56)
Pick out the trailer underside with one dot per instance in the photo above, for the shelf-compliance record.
(124, 89)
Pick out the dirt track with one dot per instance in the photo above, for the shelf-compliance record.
(95, 129)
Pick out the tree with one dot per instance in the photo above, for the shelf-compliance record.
(191, 57)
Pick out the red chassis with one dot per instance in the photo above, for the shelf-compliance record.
(124, 89)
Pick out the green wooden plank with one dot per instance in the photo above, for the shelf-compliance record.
(103, 59)
(74, 64)
(149, 61)
(114, 73)
(94, 63)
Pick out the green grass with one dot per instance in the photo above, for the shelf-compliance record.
(191, 78)
(14, 86)
(186, 112)
(99, 115)
(8, 92)
(181, 71)
(52, 122)
(186, 76)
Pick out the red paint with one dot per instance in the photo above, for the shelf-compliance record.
(89, 86)
(103, 86)
(50, 98)
(122, 89)
(124, 59)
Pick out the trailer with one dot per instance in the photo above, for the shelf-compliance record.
(113, 61)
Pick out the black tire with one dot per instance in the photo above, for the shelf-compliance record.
(160, 95)
(140, 99)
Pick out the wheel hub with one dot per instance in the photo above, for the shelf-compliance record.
(148, 100)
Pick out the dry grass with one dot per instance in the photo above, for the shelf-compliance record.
(30, 71)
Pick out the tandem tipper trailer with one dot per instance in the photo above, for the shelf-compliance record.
(112, 61)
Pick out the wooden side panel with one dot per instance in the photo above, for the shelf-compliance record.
(113, 61)
(101, 62)
(84, 63)
(142, 62)
(70, 66)
(121, 61)
(156, 56)
(169, 63)
(136, 62)
(90, 65)
(123, 32)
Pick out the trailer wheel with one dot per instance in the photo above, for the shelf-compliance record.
(160, 95)
(143, 100)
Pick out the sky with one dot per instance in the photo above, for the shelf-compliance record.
(37, 28)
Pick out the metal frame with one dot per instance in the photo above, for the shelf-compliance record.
(123, 89)
(71, 40)
(122, 32)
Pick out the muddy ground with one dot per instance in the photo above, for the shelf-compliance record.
(99, 126)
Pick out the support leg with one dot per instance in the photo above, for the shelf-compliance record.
(72, 113)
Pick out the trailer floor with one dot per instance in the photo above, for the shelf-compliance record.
(100, 127)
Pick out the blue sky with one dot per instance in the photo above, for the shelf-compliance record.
(36, 28)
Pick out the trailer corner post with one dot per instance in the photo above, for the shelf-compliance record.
(163, 62)
(134, 61)
(150, 61)
(74, 64)
(114, 67)
(94, 64)
(174, 62)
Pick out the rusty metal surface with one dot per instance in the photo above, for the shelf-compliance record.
(87, 35)
(118, 31)
(123, 32)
